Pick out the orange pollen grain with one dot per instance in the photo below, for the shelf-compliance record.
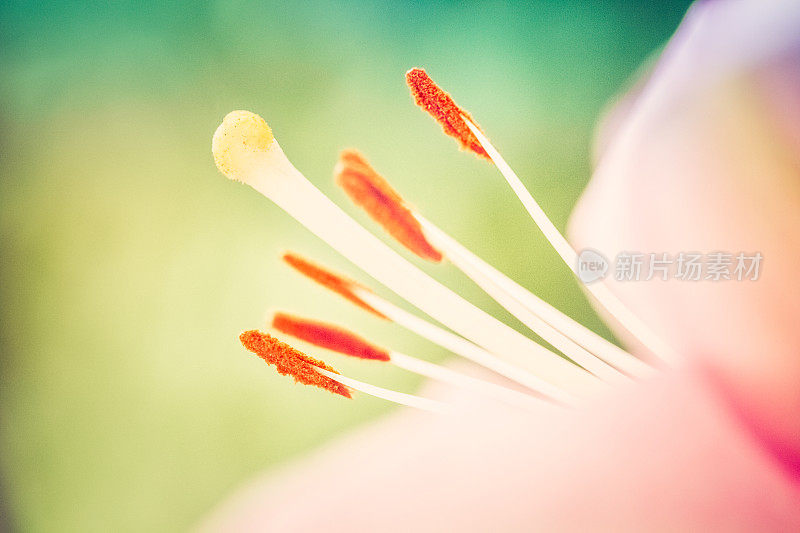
(289, 361)
(328, 336)
(338, 284)
(441, 107)
(372, 192)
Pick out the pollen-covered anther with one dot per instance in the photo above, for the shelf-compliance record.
(441, 107)
(339, 284)
(328, 336)
(291, 362)
(372, 192)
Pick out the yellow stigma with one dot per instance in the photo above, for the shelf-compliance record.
(241, 136)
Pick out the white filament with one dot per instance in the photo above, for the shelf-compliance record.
(479, 386)
(600, 291)
(461, 346)
(573, 339)
(401, 398)
(275, 177)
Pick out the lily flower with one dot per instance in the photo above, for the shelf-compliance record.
(703, 154)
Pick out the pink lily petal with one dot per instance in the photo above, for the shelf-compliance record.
(662, 456)
(706, 159)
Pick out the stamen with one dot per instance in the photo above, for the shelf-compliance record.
(338, 339)
(371, 192)
(271, 173)
(368, 192)
(288, 361)
(441, 107)
(328, 336)
(309, 371)
(454, 343)
(339, 284)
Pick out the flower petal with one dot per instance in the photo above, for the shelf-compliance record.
(701, 161)
(648, 459)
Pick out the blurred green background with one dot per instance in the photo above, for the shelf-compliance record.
(129, 265)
